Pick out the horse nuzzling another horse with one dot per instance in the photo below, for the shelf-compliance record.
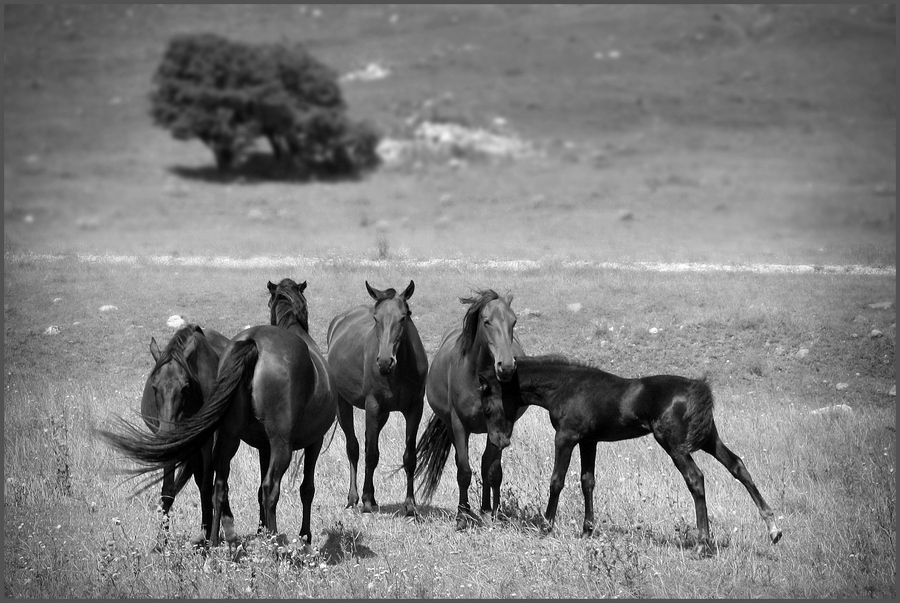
(588, 405)
(458, 396)
(275, 391)
(380, 366)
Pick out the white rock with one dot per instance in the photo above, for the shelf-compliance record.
(885, 305)
(574, 308)
(836, 410)
(841, 386)
(107, 308)
(654, 330)
(175, 321)
(875, 334)
(893, 390)
(802, 353)
(51, 330)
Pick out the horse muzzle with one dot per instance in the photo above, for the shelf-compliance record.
(386, 366)
(501, 440)
(505, 372)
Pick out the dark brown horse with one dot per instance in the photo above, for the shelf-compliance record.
(182, 378)
(379, 365)
(588, 405)
(485, 342)
(274, 391)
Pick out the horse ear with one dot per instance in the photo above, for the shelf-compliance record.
(154, 349)
(509, 298)
(409, 290)
(483, 386)
(272, 287)
(302, 286)
(373, 293)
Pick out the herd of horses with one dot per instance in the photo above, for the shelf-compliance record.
(273, 388)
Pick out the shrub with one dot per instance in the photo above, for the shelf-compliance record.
(228, 94)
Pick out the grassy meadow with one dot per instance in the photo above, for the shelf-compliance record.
(73, 528)
(729, 134)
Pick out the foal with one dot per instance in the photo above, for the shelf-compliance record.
(588, 405)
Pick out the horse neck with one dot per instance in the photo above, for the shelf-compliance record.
(539, 384)
(288, 320)
(480, 354)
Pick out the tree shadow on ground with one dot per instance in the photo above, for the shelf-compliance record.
(260, 167)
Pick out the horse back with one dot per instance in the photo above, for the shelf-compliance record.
(288, 393)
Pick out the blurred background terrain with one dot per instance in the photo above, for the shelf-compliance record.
(697, 133)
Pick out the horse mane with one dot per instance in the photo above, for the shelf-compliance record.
(389, 293)
(174, 352)
(473, 317)
(284, 318)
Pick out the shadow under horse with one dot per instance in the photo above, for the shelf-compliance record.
(274, 390)
(380, 366)
(588, 405)
(484, 343)
(182, 378)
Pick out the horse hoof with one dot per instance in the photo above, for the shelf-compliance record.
(702, 551)
(198, 541)
(370, 509)
(775, 535)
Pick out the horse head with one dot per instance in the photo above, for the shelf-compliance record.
(287, 305)
(391, 313)
(173, 381)
(489, 324)
(499, 406)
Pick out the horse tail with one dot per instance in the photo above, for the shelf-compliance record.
(699, 415)
(432, 451)
(155, 451)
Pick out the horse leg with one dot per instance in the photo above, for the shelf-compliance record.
(225, 449)
(588, 452)
(375, 422)
(345, 419)
(463, 476)
(563, 445)
(413, 418)
(735, 466)
(693, 477)
(203, 476)
(271, 486)
(491, 478)
(167, 497)
(265, 456)
(308, 487)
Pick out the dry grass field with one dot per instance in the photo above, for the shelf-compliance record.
(736, 134)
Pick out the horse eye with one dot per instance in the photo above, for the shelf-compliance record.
(487, 411)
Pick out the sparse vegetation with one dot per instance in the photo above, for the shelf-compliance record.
(710, 133)
(829, 479)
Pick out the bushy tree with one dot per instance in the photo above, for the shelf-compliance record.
(228, 94)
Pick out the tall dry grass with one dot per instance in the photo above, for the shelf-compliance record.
(73, 528)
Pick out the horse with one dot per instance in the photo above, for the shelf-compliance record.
(588, 405)
(275, 391)
(380, 366)
(182, 378)
(484, 342)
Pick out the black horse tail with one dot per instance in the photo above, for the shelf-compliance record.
(432, 452)
(154, 451)
(699, 415)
